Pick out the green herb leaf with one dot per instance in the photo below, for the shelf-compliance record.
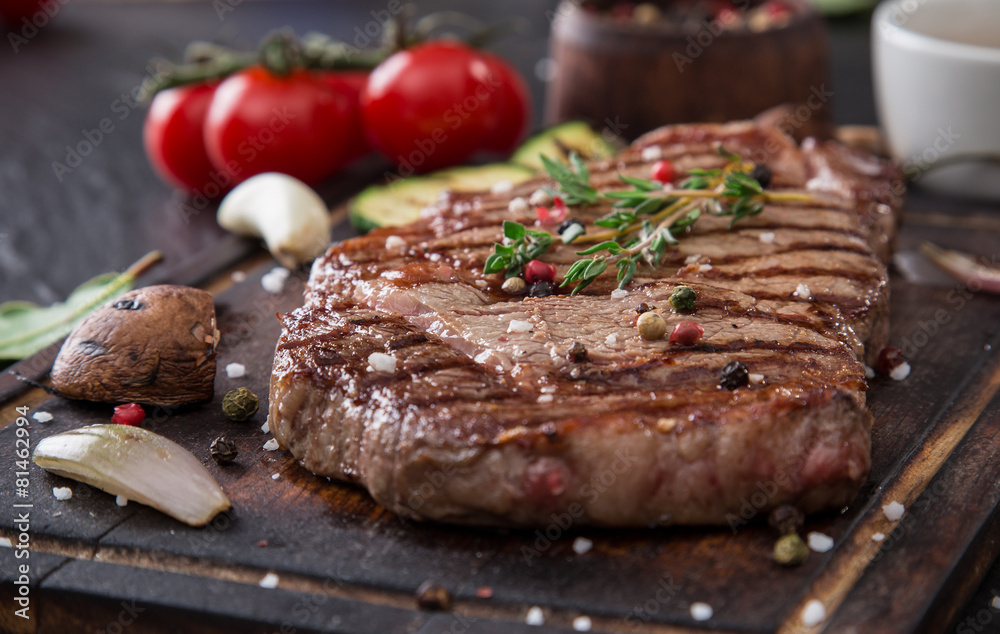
(626, 271)
(641, 184)
(574, 186)
(496, 263)
(26, 328)
(513, 230)
(613, 247)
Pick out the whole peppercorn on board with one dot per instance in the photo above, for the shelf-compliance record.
(344, 564)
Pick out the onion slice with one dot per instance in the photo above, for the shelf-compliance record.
(137, 464)
(963, 267)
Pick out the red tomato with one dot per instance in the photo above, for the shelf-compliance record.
(513, 107)
(296, 124)
(350, 84)
(173, 139)
(37, 12)
(436, 104)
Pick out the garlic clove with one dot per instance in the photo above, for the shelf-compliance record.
(137, 464)
(291, 218)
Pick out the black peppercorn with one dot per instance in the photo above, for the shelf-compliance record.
(578, 352)
(541, 289)
(223, 450)
(786, 519)
(431, 596)
(643, 308)
(734, 375)
(762, 174)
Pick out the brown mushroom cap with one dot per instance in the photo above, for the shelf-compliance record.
(152, 345)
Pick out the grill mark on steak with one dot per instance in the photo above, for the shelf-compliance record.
(517, 428)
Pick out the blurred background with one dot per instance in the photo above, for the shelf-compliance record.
(76, 62)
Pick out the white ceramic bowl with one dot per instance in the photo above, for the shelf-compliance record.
(936, 67)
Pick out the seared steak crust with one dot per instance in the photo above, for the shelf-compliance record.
(482, 422)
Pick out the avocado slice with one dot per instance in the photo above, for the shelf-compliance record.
(400, 202)
(557, 142)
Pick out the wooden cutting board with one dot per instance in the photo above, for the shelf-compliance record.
(344, 564)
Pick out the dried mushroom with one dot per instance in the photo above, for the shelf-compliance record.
(152, 345)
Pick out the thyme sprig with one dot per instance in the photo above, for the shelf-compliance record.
(645, 220)
(524, 246)
(573, 180)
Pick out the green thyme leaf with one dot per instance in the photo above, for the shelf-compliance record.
(513, 230)
(642, 184)
(612, 247)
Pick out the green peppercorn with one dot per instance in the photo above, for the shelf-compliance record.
(683, 299)
(240, 404)
(790, 550)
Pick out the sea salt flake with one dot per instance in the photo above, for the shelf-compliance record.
(121, 500)
(877, 537)
(539, 198)
(275, 476)
(819, 542)
(271, 445)
(269, 581)
(652, 153)
(235, 370)
(701, 611)
(501, 187)
(394, 242)
(869, 372)
(704, 268)
(62, 493)
(803, 291)
(519, 325)
(535, 616)
(6, 543)
(381, 362)
(900, 372)
(755, 378)
(691, 259)
(619, 293)
(545, 398)
(767, 237)
(274, 280)
(611, 339)
(42, 417)
(814, 613)
(582, 545)
(518, 206)
(266, 427)
(893, 511)
(582, 624)
(238, 276)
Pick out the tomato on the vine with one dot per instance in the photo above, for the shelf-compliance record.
(297, 124)
(172, 135)
(438, 103)
(350, 84)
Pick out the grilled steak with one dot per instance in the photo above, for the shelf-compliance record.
(469, 419)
